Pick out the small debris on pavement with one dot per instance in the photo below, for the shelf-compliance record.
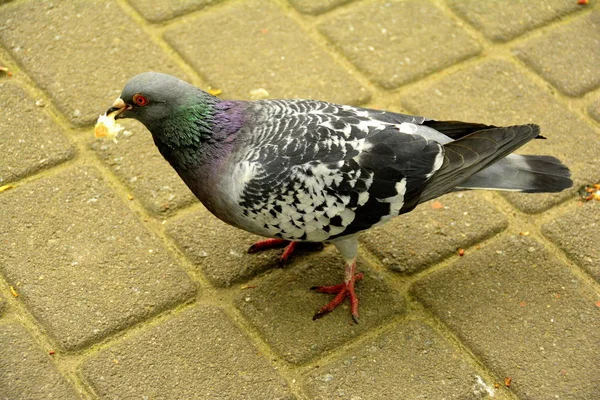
(5, 70)
(526, 233)
(437, 205)
(590, 192)
(460, 251)
(5, 188)
(583, 2)
(215, 92)
(14, 292)
(243, 287)
(52, 352)
(507, 381)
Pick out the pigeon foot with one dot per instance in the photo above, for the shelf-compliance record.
(290, 247)
(341, 291)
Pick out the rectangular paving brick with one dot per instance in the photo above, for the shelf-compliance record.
(410, 361)
(27, 371)
(83, 264)
(159, 11)
(504, 20)
(316, 7)
(281, 306)
(139, 165)
(563, 55)
(576, 233)
(81, 52)
(219, 250)
(594, 110)
(198, 354)
(524, 315)
(434, 231)
(29, 139)
(259, 51)
(399, 41)
(496, 92)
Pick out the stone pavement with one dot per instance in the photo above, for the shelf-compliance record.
(115, 283)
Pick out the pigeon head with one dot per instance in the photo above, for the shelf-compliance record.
(152, 98)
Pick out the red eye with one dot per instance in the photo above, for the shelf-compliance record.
(140, 100)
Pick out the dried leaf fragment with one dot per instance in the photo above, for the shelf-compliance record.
(507, 381)
(5, 188)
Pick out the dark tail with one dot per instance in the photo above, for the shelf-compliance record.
(477, 161)
(529, 174)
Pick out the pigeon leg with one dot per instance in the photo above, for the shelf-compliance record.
(272, 243)
(267, 244)
(342, 291)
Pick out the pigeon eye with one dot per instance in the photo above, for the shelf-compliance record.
(140, 100)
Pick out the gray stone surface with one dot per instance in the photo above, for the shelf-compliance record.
(524, 315)
(316, 7)
(563, 57)
(139, 165)
(218, 249)
(281, 306)
(498, 93)
(84, 265)
(504, 20)
(26, 371)
(198, 354)
(428, 234)
(395, 44)
(29, 139)
(82, 64)
(159, 11)
(410, 359)
(263, 55)
(575, 232)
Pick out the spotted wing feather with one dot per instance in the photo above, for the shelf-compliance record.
(321, 171)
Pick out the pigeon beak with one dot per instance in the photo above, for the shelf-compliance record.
(118, 108)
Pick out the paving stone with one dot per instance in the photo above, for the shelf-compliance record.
(80, 62)
(524, 315)
(394, 45)
(316, 7)
(410, 359)
(199, 353)
(504, 20)
(575, 233)
(496, 92)
(139, 165)
(83, 264)
(161, 11)
(281, 306)
(24, 153)
(218, 249)
(594, 110)
(26, 371)
(434, 231)
(263, 55)
(565, 56)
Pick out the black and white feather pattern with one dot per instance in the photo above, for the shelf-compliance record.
(314, 171)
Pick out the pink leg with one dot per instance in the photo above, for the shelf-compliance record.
(267, 244)
(342, 291)
(272, 243)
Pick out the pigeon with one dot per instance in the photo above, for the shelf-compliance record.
(313, 171)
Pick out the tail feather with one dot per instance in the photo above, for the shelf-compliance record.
(481, 160)
(522, 173)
